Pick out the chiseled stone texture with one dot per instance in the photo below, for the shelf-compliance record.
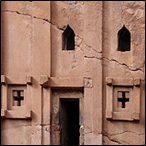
(128, 64)
(15, 132)
(32, 45)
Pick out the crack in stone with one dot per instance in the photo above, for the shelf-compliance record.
(44, 124)
(87, 46)
(129, 67)
(109, 136)
(99, 58)
(112, 140)
(46, 20)
(92, 48)
(127, 132)
(16, 12)
(81, 40)
(79, 45)
(123, 64)
(90, 132)
(94, 57)
(79, 37)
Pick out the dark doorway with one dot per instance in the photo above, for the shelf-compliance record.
(69, 121)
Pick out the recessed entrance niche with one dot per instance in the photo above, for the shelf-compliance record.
(69, 121)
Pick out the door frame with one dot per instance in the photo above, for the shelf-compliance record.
(57, 95)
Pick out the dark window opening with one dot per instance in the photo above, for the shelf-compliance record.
(123, 99)
(68, 39)
(124, 39)
(69, 121)
(18, 97)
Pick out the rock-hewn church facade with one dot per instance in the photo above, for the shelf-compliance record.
(72, 72)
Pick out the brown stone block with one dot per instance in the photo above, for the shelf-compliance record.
(20, 114)
(66, 82)
(88, 82)
(44, 81)
(109, 115)
(3, 79)
(109, 81)
(137, 82)
(29, 80)
(136, 116)
(3, 113)
(15, 103)
(123, 81)
(23, 7)
(41, 9)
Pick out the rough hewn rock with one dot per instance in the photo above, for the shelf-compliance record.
(34, 60)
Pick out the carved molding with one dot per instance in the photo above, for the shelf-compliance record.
(3, 79)
(10, 85)
(127, 109)
(13, 114)
(9, 80)
(66, 82)
(44, 81)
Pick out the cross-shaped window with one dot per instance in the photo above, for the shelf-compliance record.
(123, 99)
(18, 97)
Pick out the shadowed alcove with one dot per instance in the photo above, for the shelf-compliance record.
(68, 39)
(69, 121)
(124, 39)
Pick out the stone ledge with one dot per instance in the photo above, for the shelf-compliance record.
(66, 82)
(3, 79)
(126, 116)
(13, 114)
(109, 114)
(55, 82)
(14, 80)
(119, 81)
(123, 116)
(44, 81)
(3, 113)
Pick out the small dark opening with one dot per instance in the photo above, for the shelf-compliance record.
(18, 98)
(123, 99)
(124, 39)
(68, 39)
(69, 122)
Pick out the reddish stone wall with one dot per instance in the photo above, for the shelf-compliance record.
(95, 72)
